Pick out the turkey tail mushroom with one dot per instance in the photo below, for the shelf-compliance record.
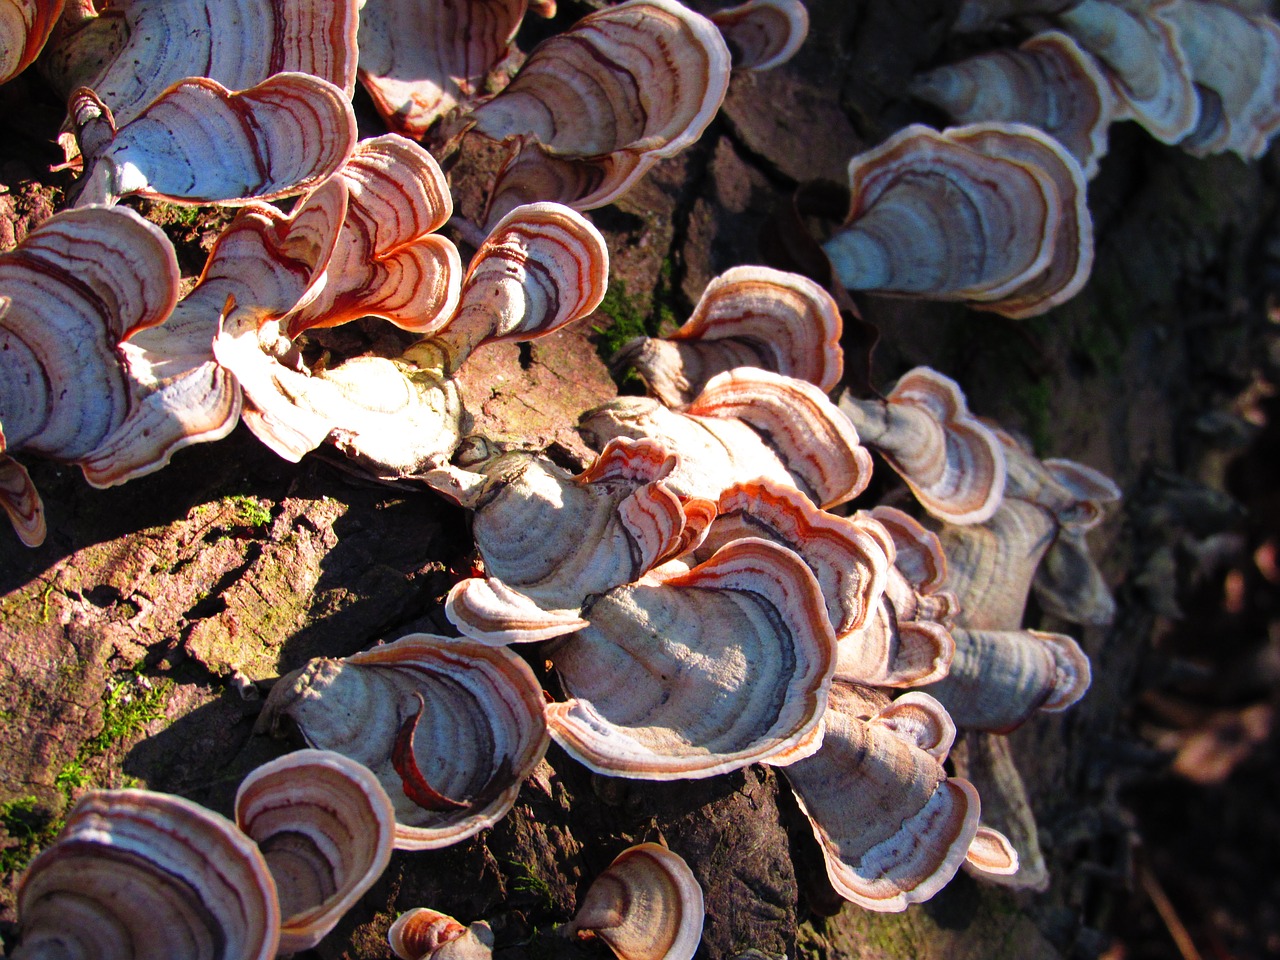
(426, 934)
(763, 34)
(25, 25)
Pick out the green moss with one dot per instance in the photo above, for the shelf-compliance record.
(249, 510)
(524, 880)
(629, 320)
(30, 828)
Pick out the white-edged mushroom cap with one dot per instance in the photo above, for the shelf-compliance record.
(199, 142)
(136, 875)
(25, 25)
(449, 727)
(763, 34)
(426, 934)
(748, 316)
(325, 827)
(700, 673)
(647, 905)
(421, 59)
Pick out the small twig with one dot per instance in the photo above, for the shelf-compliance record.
(1168, 913)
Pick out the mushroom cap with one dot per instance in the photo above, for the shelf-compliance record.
(420, 60)
(237, 43)
(1049, 82)
(426, 934)
(647, 905)
(136, 875)
(763, 34)
(449, 727)
(25, 25)
(325, 827)
(746, 317)
(892, 826)
(624, 87)
(21, 501)
(199, 142)
(701, 672)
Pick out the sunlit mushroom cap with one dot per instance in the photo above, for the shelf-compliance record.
(647, 905)
(763, 34)
(746, 317)
(136, 875)
(426, 934)
(420, 59)
(550, 540)
(935, 217)
(237, 43)
(1234, 58)
(700, 673)
(78, 286)
(991, 855)
(199, 142)
(954, 464)
(893, 827)
(621, 89)
(1049, 82)
(325, 827)
(25, 25)
(449, 727)
(998, 679)
(1144, 60)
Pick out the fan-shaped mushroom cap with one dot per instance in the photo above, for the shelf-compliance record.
(549, 540)
(1235, 62)
(237, 43)
(999, 678)
(763, 34)
(199, 142)
(621, 89)
(449, 727)
(70, 293)
(935, 217)
(700, 673)
(1144, 61)
(647, 905)
(420, 59)
(136, 875)
(21, 501)
(846, 555)
(426, 934)
(324, 826)
(1049, 82)
(25, 25)
(720, 436)
(747, 317)
(905, 640)
(388, 261)
(542, 266)
(1068, 270)
(991, 855)
(953, 463)
(893, 828)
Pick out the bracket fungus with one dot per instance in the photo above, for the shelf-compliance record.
(974, 213)
(426, 934)
(449, 727)
(199, 142)
(721, 436)
(694, 674)
(1049, 82)
(325, 827)
(953, 463)
(893, 827)
(421, 59)
(746, 317)
(134, 50)
(594, 108)
(78, 286)
(136, 875)
(549, 540)
(25, 25)
(763, 34)
(646, 905)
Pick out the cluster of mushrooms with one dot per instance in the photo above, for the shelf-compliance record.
(704, 603)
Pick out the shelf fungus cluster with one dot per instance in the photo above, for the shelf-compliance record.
(313, 832)
(990, 214)
(1202, 74)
